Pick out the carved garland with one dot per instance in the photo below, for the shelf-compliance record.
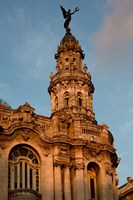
(79, 166)
(93, 153)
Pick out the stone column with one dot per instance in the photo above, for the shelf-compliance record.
(67, 184)
(57, 182)
(80, 181)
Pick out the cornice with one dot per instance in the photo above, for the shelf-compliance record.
(27, 192)
(26, 131)
(71, 77)
(62, 164)
(78, 115)
(58, 139)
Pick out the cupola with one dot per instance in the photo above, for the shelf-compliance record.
(70, 87)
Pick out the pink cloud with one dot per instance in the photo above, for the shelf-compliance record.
(114, 40)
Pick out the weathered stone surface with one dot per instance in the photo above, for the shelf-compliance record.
(76, 156)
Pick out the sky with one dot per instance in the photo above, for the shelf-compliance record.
(31, 30)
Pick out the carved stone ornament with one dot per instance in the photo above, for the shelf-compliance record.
(63, 128)
(46, 152)
(26, 137)
(108, 169)
(61, 164)
(86, 153)
(64, 150)
(23, 134)
(3, 144)
(64, 118)
(93, 153)
(51, 75)
(79, 166)
(116, 181)
(99, 157)
(22, 117)
(63, 123)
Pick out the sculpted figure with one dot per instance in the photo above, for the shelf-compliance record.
(67, 15)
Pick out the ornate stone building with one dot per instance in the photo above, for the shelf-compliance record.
(125, 192)
(67, 156)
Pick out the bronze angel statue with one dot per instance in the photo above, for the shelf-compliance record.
(67, 15)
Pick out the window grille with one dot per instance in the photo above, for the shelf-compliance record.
(23, 169)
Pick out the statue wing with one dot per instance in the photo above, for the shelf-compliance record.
(63, 12)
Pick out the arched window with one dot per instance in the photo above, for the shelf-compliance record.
(79, 99)
(66, 63)
(66, 99)
(92, 171)
(23, 170)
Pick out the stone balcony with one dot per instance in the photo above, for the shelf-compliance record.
(24, 194)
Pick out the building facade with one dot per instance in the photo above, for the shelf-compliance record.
(67, 156)
(125, 192)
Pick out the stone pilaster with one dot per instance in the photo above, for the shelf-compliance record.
(3, 175)
(79, 167)
(57, 182)
(67, 184)
(109, 176)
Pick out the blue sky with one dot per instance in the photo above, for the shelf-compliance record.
(30, 31)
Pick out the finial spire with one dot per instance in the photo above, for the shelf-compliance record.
(67, 15)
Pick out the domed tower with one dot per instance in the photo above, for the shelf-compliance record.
(67, 156)
(79, 143)
(71, 88)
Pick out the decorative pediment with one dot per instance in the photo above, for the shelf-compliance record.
(23, 132)
(24, 117)
(26, 108)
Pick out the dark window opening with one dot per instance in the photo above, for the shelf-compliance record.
(79, 102)
(25, 175)
(20, 174)
(31, 176)
(15, 177)
(66, 102)
(92, 187)
(66, 99)
(56, 102)
(79, 99)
